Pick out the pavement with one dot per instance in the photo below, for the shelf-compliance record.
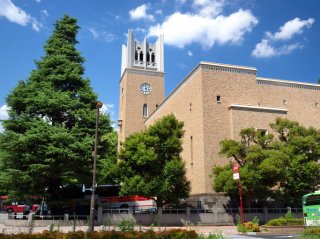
(229, 232)
(201, 230)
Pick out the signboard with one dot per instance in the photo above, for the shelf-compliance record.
(235, 167)
(236, 176)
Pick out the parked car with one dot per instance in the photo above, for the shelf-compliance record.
(16, 207)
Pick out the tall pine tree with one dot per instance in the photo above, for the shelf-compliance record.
(49, 136)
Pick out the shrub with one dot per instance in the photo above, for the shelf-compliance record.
(126, 225)
(289, 215)
(312, 233)
(286, 222)
(170, 234)
(212, 236)
(248, 226)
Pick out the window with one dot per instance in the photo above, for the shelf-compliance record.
(152, 57)
(190, 106)
(145, 110)
(218, 99)
(141, 56)
(263, 132)
(191, 149)
(136, 55)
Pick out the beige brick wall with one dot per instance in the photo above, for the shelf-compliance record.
(131, 99)
(186, 105)
(209, 121)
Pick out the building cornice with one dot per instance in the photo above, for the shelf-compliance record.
(142, 72)
(284, 83)
(258, 108)
(228, 68)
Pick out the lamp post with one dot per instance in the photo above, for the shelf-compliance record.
(92, 204)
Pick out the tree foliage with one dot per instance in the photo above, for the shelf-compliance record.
(49, 136)
(150, 164)
(284, 166)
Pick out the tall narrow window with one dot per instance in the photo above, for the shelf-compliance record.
(152, 57)
(191, 149)
(136, 55)
(218, 98)
(148, 57)
(145, 110)
(141, 56)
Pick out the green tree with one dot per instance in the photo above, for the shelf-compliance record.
(283, 167)
(108, 148)
(150, 164)
(49, 136)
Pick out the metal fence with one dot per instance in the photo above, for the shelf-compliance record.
(206, 211)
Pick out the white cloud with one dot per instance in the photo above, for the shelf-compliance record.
(3, 115)
(17, 15)
(159, 12)
(107, 109)
(14, 13)
(291, 28)
(264, 49)
(102, 35)
(141, 13)
(203, 29)
(268, 46)
(208, 8)
(44, 13)
(36, 25)
(189, 53)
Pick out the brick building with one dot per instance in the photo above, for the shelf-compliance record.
(215, 101)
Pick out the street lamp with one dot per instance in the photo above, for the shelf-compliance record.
(92, 204)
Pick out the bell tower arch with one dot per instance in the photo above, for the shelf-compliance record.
(141, 83)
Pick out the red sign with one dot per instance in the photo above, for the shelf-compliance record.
(235, 167)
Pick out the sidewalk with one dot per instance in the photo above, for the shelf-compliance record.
(201, 230)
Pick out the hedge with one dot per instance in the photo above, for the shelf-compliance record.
(169, 234)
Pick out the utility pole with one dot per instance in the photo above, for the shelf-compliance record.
(92, 204)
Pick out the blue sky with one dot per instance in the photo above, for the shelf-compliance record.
(281, 38)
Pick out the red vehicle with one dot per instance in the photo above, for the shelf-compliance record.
(16, 206)
(19, 207)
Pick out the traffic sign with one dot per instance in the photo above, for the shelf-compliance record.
(235, 167)
(236, 176)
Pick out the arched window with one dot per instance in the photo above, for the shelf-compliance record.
(152, 57)
(145, 110)
(141, 56)
(136, 55)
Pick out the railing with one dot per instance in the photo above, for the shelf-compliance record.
(174, 211)
(22, 216)
(116, 211)
(197, 211)
(206, 210)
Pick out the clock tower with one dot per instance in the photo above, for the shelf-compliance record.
(141, 84)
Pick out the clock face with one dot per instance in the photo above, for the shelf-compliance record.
(145, 88)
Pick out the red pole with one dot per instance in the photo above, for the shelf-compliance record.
(236, 171)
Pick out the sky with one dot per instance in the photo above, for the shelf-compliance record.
(281, 38)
